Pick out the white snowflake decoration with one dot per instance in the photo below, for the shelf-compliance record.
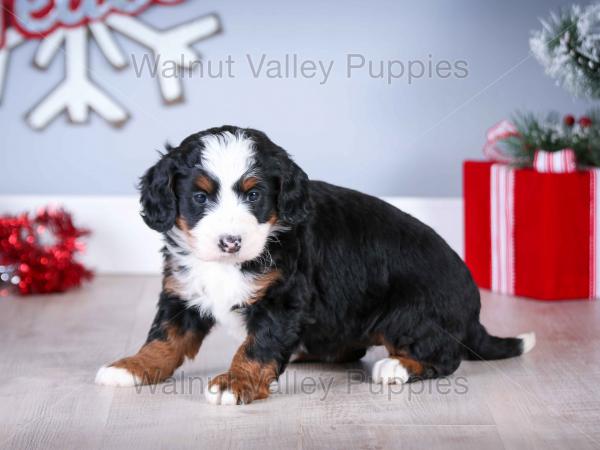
(568, 46)
(77, 93)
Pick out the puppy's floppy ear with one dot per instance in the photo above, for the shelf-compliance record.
(293, 194)
(159, 205)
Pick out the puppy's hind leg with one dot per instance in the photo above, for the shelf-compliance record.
(419, 361)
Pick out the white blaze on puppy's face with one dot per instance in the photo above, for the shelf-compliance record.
(228, 158)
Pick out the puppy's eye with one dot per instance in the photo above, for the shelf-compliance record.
(253, 196)
(200, 198)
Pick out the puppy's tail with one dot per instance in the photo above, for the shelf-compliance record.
(481, 345)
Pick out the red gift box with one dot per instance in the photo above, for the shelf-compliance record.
(532, 234)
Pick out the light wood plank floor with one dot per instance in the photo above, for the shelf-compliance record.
(51, 347)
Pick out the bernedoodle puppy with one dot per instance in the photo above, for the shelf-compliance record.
(296, 268)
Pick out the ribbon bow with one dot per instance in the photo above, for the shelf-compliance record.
(561, 161)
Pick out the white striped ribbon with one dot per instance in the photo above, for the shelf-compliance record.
(562, 161)
(499, 132)
(502, 227)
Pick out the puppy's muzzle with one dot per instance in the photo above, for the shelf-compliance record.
(230, 244)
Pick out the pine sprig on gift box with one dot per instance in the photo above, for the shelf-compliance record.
(568, 46)
(554, 133)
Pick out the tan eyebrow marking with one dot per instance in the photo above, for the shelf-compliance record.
(205, 183)
(249, 183)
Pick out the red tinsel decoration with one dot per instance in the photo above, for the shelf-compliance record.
(37, 253)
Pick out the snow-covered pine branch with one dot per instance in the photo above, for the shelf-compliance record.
(568, 46)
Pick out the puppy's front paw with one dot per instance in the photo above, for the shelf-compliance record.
(229, 389)
(116, 376)
(389, 371)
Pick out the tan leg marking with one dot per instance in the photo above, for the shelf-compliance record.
(157, 360)
(246, 380)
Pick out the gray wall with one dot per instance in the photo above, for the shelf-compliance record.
(396, 139)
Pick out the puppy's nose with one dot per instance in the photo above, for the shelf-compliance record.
(230, 244)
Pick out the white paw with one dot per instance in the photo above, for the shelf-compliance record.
(528, 341)
(389, 371)
(116, 376)
(215, 396)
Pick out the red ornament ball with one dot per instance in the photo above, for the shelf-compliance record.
(585, 122)
(569, 120)
(37, 254)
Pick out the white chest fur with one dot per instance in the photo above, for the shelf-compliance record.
(216, 288)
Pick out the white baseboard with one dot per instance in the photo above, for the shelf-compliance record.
(121, 242)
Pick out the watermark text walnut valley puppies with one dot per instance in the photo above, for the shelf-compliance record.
(296, 67)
